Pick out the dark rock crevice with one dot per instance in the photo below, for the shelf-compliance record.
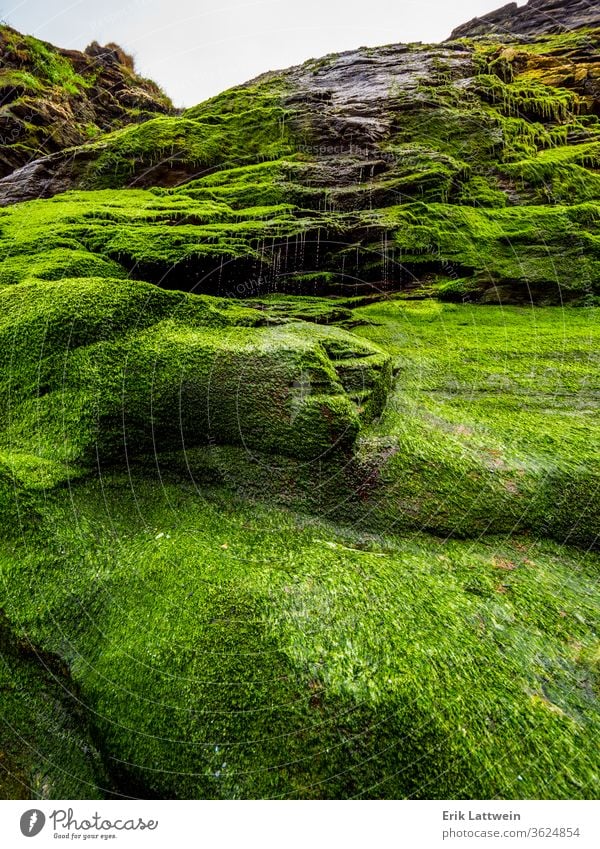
(42, 680)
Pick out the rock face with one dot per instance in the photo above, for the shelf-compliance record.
(51, 99)
(535, 18)
(165, 630)
(467, 169)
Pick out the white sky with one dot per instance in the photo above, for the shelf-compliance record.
(195, 50)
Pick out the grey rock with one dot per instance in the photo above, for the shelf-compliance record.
(535, 18)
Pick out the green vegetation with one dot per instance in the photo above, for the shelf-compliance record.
(493, 423)
(47, 752)
(493, 182)
(240, 127)
(299, 447)
(100, 370)
(544, 253)
(51, 100)
(49, 68)
(552, 250)
(491, 428)
(232, 651)
(477, 439)
(566, 174)
(536, 101)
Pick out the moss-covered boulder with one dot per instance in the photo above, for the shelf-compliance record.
(99, 369)
(223, 650)
(275, 520)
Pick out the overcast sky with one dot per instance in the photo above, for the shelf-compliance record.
(197, 48)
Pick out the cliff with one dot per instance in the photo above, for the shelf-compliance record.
(537, 17)
(300, 425)
(51, 98)
(469, 169)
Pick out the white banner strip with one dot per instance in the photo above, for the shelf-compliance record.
(306, 825)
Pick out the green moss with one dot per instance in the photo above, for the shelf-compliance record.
(100, 368)
(247, 187)
(51, 66)
(56, 264)
(55, 99)
(551, 248)
(465, 133)
(481, 192)
(330, 310)
(491, 423)
(238, 652)
(47, 752)
(13, 79)
(565, 174)
(490, 427)
(48, 66)
(16, 504)
(264, 213)
(521, 246)
(229, 648)
(458, 289)
(531, 99)
(564, 44)
(239, 127)
(418, 172)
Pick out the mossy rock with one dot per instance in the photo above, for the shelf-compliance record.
(47, 751)
(262, 497)
(99, 368)
(53, 99)
(233, 651)
(476, 166)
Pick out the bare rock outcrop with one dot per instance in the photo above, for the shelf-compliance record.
(535, 18)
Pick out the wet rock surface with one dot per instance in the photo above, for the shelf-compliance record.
(351, 101)
(534, 18)
(393, 168)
